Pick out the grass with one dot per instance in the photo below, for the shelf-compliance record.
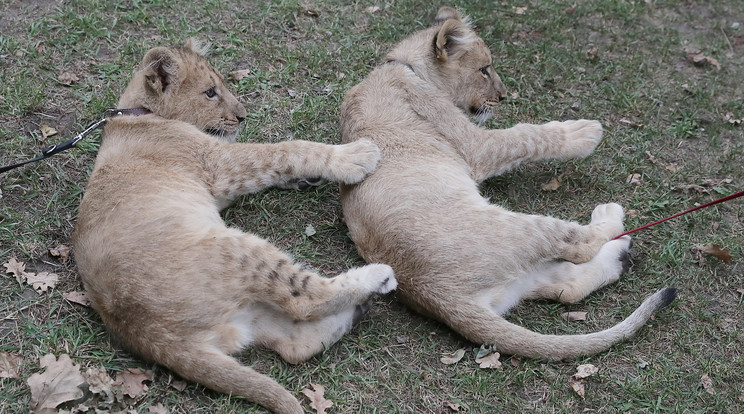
(621, 62)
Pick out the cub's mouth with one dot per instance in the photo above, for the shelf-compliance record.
(222, 134)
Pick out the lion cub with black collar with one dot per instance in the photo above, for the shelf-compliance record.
(171, 282)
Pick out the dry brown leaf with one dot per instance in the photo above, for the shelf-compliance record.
(553, 184)
(585, 371)
(133, 380)
(61, 252)
(240, 74)
(692, 187)
(452, 358)
(574, 316)
(81, 298)
(59, 383)
(672, 167)
(41, 281)
(707, 384)
(490, 361)
(67, 78)
(318, 401)
(454, 406)
(520, 10)
(700, 59)
(158, 408)
(634, 179)
(372, 9)
(47, 131)
(577, 386)
(717, 251)
(729, 117)
(10, 365)
(178, 385)
(100, 382)
(15, 267)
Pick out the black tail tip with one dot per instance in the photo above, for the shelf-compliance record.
(667, 296)
(360, 311)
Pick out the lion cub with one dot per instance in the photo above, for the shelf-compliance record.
(458, 258)
(171, 282)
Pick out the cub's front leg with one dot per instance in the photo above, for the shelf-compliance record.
(247, 168)
(498, 151)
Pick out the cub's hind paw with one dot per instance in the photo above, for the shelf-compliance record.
(381, 278)
(352, 162)
(302, 183)
(609, 219)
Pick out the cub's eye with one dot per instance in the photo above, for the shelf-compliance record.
(484, 71)
(211, 93)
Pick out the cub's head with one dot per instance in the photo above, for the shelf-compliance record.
(455, 60)
(180, 84)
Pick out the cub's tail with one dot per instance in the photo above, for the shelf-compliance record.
(220, 372)
(515, 340)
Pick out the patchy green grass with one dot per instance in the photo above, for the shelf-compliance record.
(619, 61)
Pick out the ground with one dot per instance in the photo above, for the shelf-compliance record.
(663, 77)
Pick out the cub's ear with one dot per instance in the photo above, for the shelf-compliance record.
(453, 37)
(445, 13)
(197, 46)
(160, 68)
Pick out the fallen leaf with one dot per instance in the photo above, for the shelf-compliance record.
(707, 384)
(642, 364)
(10, 365)
(692, 187)
(61, 252)
(552, 185)
(452, 358)
(100, 382)
(514, 362)
(133, 380)
(577, 386)
(310, 230)
(453, 406)
(47, 131)
(372, 9)
(15, 267)
(634, 179)
(311, 13)
(67, 78)
(402, 339)
(178, 385)
(318, 401)
(585, 371)
(632, 213)
(651, 157)
(490, 361)
(717, 251)
(729, 117)
(41, 281)
(700, 59)
(59, 383)
(520, 10)
(240, 74)
(81, 298)
(158, 408)
(574, 316)
(672, 167)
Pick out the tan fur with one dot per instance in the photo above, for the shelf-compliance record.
(458, 258)
(171, 282)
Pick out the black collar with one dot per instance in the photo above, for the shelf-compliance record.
(50, 150)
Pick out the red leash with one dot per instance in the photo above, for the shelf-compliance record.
(714, 202)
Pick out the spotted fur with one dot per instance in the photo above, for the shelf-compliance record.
(170, 280)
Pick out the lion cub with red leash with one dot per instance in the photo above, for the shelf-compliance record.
(458, 258)
(170, 280)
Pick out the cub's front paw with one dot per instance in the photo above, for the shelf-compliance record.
(580, 137)
(353, 161)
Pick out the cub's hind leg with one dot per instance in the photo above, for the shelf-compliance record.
(297, 341)
(568, 282)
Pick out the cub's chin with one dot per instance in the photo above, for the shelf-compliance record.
(222, 134)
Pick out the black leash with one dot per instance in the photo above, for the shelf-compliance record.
(50, 150)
